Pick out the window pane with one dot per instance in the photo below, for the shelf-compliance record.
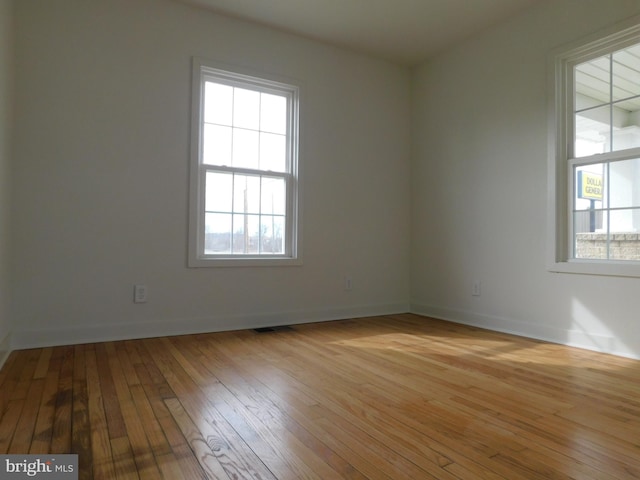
(589, 243)
(217, 233)
(624, 221)
(246, 237)
(625, 247)
(239, 233)
(273, 113)
(626, 85)
(593, 131)
(246, 194)
(216, 145)
(245, 148)
(273, 152)
(626, 73)
(589, 221)
(246, 108)
(624, 241)
(625, 184)
(591, 246)
(218, 190)
(218, 103)
(273, 195)
(592, 80)
(589, 187)
(626, 131)
(272, 228)
(254, 234)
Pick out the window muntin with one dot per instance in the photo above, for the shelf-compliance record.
(244, 207)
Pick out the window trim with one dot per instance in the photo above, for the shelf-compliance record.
(560, 146)
(238, 76)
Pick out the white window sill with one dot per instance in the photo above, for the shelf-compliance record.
(597, 267)
(245, 262)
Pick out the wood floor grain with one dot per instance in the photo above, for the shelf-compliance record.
(393, 397)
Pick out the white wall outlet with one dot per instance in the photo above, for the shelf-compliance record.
(140, 293)
(475, 290)
(348, 283)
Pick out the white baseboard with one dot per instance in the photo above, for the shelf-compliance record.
(571, 338)
(73, 335)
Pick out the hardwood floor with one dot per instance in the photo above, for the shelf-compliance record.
(396, 397)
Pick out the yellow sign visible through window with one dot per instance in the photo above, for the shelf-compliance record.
(590, 186)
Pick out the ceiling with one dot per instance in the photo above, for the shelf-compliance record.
(403, 31)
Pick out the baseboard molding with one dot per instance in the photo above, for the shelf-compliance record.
(571, 338)
(74, 335)
(5, 347)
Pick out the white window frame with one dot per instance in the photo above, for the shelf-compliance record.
(259, 81)
(561, 144)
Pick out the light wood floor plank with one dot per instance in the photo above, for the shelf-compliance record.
(81, 426)
(23, 434)
(61, 435)
(140, 449)
(102, 457)
(43, 431)
(200, 445)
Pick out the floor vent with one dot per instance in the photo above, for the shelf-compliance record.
(281, 328)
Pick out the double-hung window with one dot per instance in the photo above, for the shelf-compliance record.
(595, 155)
(244, 170)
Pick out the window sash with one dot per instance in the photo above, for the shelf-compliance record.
(288, 231)
(606, 209)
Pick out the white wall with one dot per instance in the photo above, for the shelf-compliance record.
(100, 164)
(479, 183)
(101, 175)
(6, 54)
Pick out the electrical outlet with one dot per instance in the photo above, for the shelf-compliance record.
(139, 294)
(475, 290)
(348, 283)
